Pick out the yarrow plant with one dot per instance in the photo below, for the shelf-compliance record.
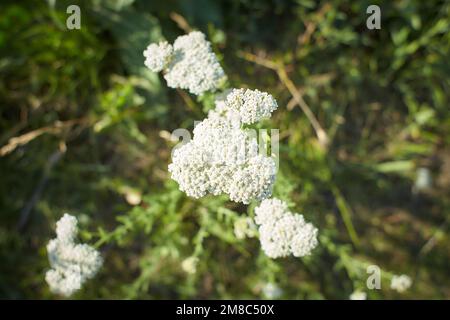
(223, 157)
(71, 263)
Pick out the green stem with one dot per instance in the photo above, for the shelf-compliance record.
(345, 212)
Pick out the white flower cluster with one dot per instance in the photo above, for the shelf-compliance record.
(272, 291)
(222, 158)
(72, 264)
(401, 283)
(358, 295)
(189, 265)
(157, 56)
(282, 232)
(189, 64)
(248, 105)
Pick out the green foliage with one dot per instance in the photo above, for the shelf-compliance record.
(381, 96)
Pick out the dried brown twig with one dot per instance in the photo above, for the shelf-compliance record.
(180, 21)
(311, 26)
(296, 94)
(23, 139)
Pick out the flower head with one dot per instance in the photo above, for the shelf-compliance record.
(358, 295)
(222, 158)
(249, 105)
(188, 64)
(272, 291)
(282, 232)
(71, 264)
(401, 283)
(189, 265)
(157, 56)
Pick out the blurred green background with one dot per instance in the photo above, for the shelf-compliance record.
(85, 129)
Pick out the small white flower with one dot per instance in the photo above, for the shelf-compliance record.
(358, 295)
(282, 232)
(189, 265)
(72, 264)
(423, 181)
(157, 56)
(133, 197)
(401, 283)
(244, 227)
(272, 291)
(249, 105)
